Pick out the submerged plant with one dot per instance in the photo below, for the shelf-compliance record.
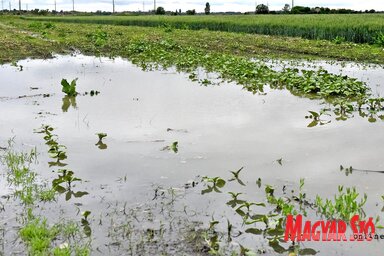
(101, 135)
(69, 88)
(344, 206)
(213, 184)
(236, 177)
(173, 147)
(68, 101)
(85, 223)
(317, 118)
(100, 144)
(67, 178)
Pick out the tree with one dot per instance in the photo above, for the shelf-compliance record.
(262, 9)
(160, 11)
(207, 8)
(300, 10)
(286, 8)
(191, 12)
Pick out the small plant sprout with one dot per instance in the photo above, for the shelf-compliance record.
(174, 147)
(100, 143)
(101, 136)
(85, 223)
(235, 201)
(214, 184)
(85, 214)
(236, 176)
(258, 182)
(69, 88)
(316, 118)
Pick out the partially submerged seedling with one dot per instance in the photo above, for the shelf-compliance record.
(69, 88)
(67, 178)
(100, 143)
(85, 223)
(317, 118)
(68, 101)
(213, 184)
(236, 175)
(101, 136)
(174, 147)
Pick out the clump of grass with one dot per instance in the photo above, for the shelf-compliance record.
(38, 236)
(47, 195)
(344, 206)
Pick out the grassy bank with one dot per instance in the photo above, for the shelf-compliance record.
(357, 28)
(25, 38)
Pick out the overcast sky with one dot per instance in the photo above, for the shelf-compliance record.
(216, 5)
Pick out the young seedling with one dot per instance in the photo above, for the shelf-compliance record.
(100, 143)
(101, 136)
(316, 118)
(236, 176)
(69, 88)
(215, 182)
(85, 223)
(174, 147)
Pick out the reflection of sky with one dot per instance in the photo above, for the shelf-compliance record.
(219, 6)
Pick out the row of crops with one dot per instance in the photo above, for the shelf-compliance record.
(357, 28)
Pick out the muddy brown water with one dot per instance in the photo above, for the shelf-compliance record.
(218, 128)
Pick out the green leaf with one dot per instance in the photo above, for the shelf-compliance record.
(307, 251)
(207, 190)
(313, 123)
(314, 114)
(80, 194)
(254, 231)
(220, 183)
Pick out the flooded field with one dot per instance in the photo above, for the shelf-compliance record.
(142, 183)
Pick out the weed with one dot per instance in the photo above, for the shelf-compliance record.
(344, 206)
(213, 184)
(339, 39)
(98, 38)
(38, 236)
(379, 39)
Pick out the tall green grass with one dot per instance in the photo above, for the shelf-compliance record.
(357, 28)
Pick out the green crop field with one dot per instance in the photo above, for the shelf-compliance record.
(357, 28)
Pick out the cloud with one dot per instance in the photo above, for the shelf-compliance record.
(216, 5)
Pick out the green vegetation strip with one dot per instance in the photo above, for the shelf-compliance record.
(25, 38)
(357, 28)
(252, 75)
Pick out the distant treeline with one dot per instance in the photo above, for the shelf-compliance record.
(264, 10)
(324, 10)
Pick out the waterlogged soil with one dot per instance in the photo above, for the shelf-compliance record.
(218, 129)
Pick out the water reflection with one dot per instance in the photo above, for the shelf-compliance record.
(68, 101)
